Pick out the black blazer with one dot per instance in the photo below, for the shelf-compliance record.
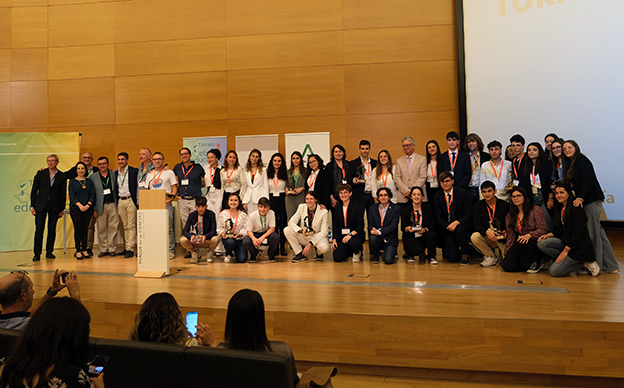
(545, 175)
(574, 234)
(427, 219)
(584, 182)
(133, 184)
(391, 222)
(321, 187)
(210, 224)
(332, 181)
(481, 216)
(462, 172)
(518, 166)
(461, 207)
(355, 220)
(358, 189)
(43, 194)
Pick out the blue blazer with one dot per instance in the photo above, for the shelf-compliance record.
(462, 172)
(391, 222)
(210, 224)
(133, 184)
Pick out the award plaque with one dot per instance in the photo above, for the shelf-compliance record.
(229, 228)
(361, 171)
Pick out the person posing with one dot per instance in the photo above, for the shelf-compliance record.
(536, 179)
(497, 170)
(81, 198)
(509, 153)
(434, 168)
(212, 171)
(348, 227)
(383, 175)
(190, 181)
(295, 187)
(261, 231)
(557, 162)
(47, 200)
(569, 243)
(232, 227)
(418, 224)
(317, 181)
(200, 231)
(362, 169)
(411, 170)
(161, 179)
(489, 223)
(127, 191)
(474, 149)
(453, 212)
(336, 174)
(87, 159)
(548, 139)
(232, 178)
(525, 223)
(383, 225)
(145, 156)
(257, 184)
(106, 214)
(308, 228)
(278, 177)
(581, 176)
(456, 161)
(519, 160)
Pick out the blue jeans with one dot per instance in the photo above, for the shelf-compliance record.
(234, 247)
(172, 240)
(552, 246)
(376, 243)
(602, 247)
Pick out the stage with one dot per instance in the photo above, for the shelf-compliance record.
(408, 319)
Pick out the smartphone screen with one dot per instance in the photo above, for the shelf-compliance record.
(97, 365)
(191, 322)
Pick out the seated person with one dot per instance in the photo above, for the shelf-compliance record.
(160, 320)
(348, 227)
(570, 244)
(232, 227)
(261, 231)
(489, 223)
(525, 223)
(383, 225)
(453, 212)
(307, 228)
(16, 296)
(200, 231)
(418, 224)
(52, 350)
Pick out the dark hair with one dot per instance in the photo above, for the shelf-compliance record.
(364, 142)
(554, 160)
(103, 158)
(160, 320)
(185, 148)
(56, 335)
(387, 190)
(444, 175)
(318, 159)
(85, 166)
(236, 164)
(379, 167)
(264, 201)
(488, 185)
(313, 194)
(201, 201)
(260, 163)
(526, 207)
(495, 143)
(303, 171)
(507, 157)
(216, 152)
(124, 154)
(240, 202)
(281, 173)
(558, 221)
(158, 153)
(553, 135)
(473, 137)
(539, 162)
(341, 148)
(438, 154)
(416, 188)
(452, 135)
(245, 326)
(11, 293)
(568, 173)
(517, 138)
(344, 186)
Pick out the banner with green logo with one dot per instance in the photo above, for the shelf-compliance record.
(21, 156)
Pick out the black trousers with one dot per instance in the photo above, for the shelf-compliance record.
(81, 222)
(455, 240)
(278, 205)
(520, 256)
(416, 246)
(40, 221)
(344, 251)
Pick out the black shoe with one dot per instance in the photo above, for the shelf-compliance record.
(465, 260)
(375, 260)
(272, 259)
(405, 256)
(283, 252)
(319, 257)
(123, 253)
(299, 257)
(36, 257)
(128, 254)
(187, 255)
(50, 255)
(252, 258)
(90, 252)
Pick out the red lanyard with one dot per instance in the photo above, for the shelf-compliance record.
(229, 176)
(235, 221)
(188, 171)
(451, 160)
(385, 181)
(533, 178)
(157, 179)
(498, 176)
(253, 174)
(448, 203)
(519, 227)
(311, 181)
(275, 181)
(417, 216)
(342, 169)
(514, 165)
(433, 174)
(492, 211)
(344, 212)
(366, 168)
(212, 174)
(477, 162)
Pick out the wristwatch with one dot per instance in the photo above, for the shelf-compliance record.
(51, 293)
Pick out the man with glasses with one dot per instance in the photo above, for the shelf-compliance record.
(383, 225)
(17, 294)
(190, 181)
(106, 207)
(411, 170)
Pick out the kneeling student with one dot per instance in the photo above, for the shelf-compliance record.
(200, 231)
(348, 227)
(261, 231)
(307, 228)
(489, 223)
(383, 223)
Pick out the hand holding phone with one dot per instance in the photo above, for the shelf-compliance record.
(63, 278)
(192, 318)
(96, 367)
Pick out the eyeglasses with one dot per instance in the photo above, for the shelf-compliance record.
(406, 145)
(158, 158)
(517, 196)
(556, 147)
(23, 272)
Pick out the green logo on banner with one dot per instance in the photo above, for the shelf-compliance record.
(307, 151)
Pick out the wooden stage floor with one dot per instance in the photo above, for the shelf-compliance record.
(443, 317)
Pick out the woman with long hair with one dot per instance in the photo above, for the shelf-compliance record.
(295, 187)
(278, 177)
(418, 225)
(233, 219)
(213, 180)
(336, 174)
(569, 244)
(317, 182)
(383, 174)
(580, 174)
(52, 350)
(556, 163)
(525, 223)
(536, 179)
(255, 180)
(548, 140)
(232, 178)
(81, 199)
(434, 168)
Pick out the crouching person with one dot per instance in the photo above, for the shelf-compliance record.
(261, 231)
(307, 228)
(200, 231)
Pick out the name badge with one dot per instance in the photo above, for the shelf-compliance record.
(346, 231)
(416, 234)
(184, 182)
(534, 189)
(434, 185)
(143, 185)
(229, 189)
(516, 182)
(264, 242)
(344, 181)
(276, 194)
(107, 191)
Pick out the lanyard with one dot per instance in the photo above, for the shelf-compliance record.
(519, 226)
(514, 165)
(448, 203)
(477, 161)
(107, 181)
(311, 181)
(148, 169)
(451, 160)
(381, 213)
(124, 177)
(263, 224)
(492, 211)
(344, 212)
(385, 181)
(212, 174)
(559, 170)
(498, 176)
(236, 220)
(366, 168)
(417, 216)
(189, 170)
(157, 179)
(253, 174)
(533, 178)
(433, 174)
(342, 169)
(229, 176)
(275, 181)
(296, 178)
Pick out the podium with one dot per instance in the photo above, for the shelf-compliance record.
(152, 235)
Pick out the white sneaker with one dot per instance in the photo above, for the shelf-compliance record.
(193, 257)
(209, 257)
(593, 268)
(489, 261)
(171, 255)
(356, 257)
(227, 259)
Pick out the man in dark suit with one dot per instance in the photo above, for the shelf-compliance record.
(348, 227)
(453, 212)
(362, 168)
(383, 224)
(456, 161)
(47, 199)
(127, 205)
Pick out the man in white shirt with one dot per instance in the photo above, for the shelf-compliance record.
(261, 231)
(496, 170)
(127, 184)
(161, 179)
(362, 168)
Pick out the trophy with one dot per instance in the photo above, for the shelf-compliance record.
(290, 191)
(229, 228)
(361, 171)
(308, 226)
(416, 227)
(495, 226)
(197, 232)
(197, 238)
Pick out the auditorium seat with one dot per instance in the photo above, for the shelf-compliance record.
(7, 339)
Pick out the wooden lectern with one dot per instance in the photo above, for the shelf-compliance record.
(152, 235)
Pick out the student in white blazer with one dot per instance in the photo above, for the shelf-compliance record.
(257, 183)
(308, 214)
(411, 171)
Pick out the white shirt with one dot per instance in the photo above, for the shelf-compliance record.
(122, 183)
(368, 173)
(379, 183)
(280, 188)
(475, 167)
(312, 179)
(254, 223)
(163, 179)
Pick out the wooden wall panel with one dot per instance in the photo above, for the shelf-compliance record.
(100, 140)
(82, 62)
(73, 25)
(173, 97)
(29, 27)
(250, 17)
(5, 65)
(285, 50)
(5, 3)
(82, 102)
(70, 2)
(399, 44)
(172, 56)
(397, 13)
(149, 20)
(5, 105)
(401, 87)
(5, 27)
(29, 3)
(29, 64)
(29, 104)
(286, 92)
